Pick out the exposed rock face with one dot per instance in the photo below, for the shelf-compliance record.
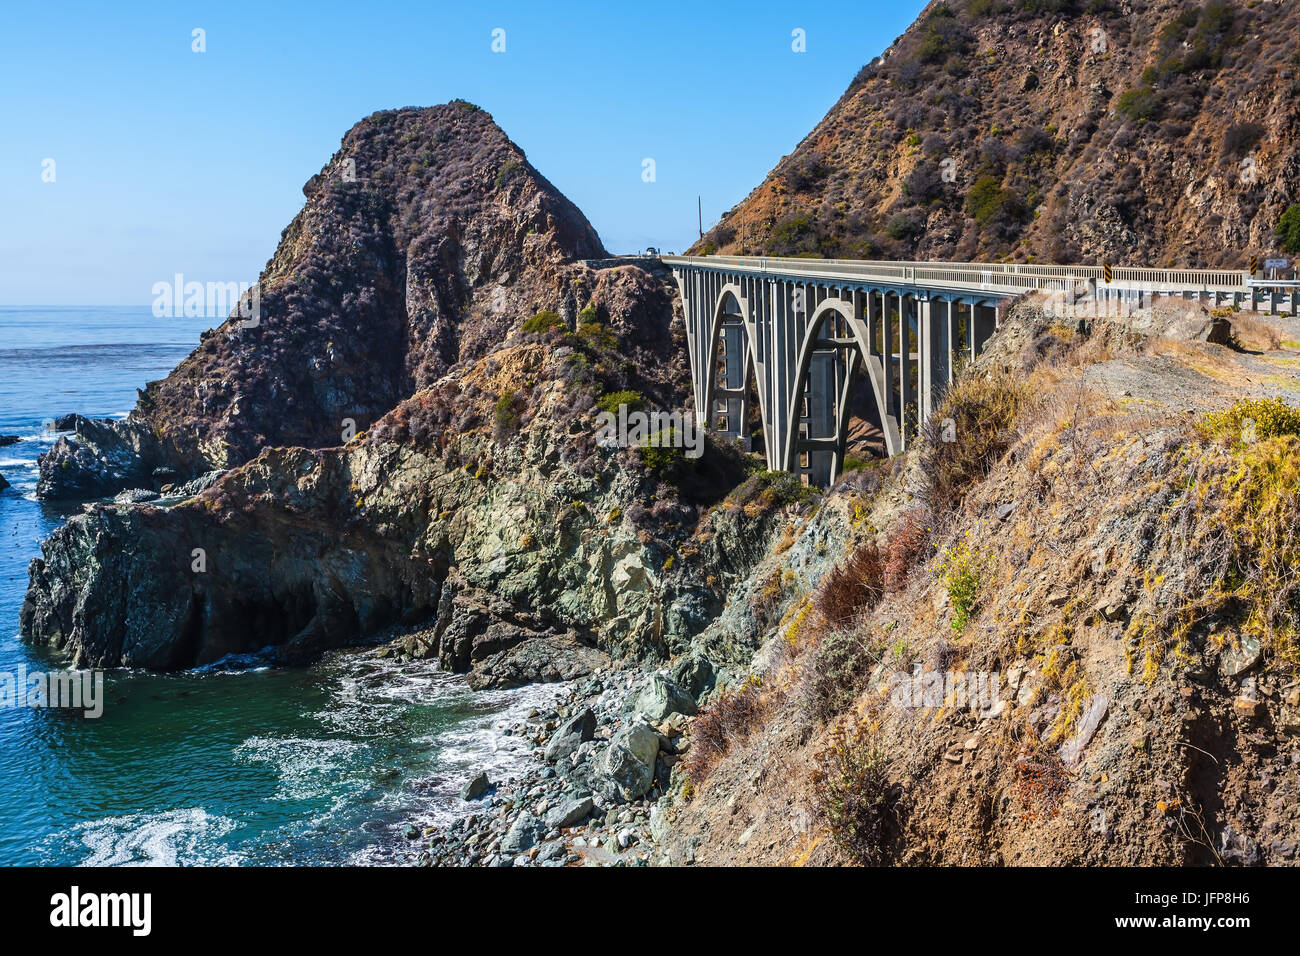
(140, 586)
(424, 242)
(1035, 131)
(523, 549)
(101, 458)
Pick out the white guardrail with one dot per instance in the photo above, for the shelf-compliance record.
(997, 278)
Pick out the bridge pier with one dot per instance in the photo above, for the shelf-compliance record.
(906, 369)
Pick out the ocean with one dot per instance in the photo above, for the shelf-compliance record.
(238, 763)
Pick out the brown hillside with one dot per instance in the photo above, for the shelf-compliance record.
(1050, 130)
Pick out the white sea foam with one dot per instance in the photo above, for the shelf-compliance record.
(170, 838)
(304, 765)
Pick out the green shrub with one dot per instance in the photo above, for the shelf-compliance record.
(942, 36)
(788, 233)
(611, 402)
(961, 574)
(1269, 418)
(906, 225)
(992, 206)
(1288, 229)
(543, 322)
(1140, 103)
(1046, 6)
(663, 460)
(770, 489)
(507, 412)
(596, 336)
(840, 670)
(508, 171)
(854, 796)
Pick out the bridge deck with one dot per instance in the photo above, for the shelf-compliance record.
(1000, 279)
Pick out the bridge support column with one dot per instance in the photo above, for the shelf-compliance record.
(951, 345)
(983, 325)
(887, 354)
(906, 366)
(940, 309)
(970, 332)
(925, 362)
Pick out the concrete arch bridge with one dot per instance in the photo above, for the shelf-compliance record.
(797, 345)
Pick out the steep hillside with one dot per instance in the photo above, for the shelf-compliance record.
(424, 242)
(1158, 132)
(1068, 637)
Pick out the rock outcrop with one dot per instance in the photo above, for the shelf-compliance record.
(423, 243)
(404, 444)
(532, 552)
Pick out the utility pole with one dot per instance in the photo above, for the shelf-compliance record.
(700, 209)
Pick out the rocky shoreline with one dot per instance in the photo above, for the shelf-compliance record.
(608, 765)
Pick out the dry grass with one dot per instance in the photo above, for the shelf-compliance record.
(1252, 332)
(854, 796)
(968, 436)
(856, 583)
(726, 723)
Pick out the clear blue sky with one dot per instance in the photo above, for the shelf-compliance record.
(172, 161)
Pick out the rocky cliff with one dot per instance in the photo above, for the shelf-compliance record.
(479, 520)
(1155, 132)
(421, 244)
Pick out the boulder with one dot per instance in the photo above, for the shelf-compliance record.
(6, 440)
(3, 484)
(569, 813)
(577, 731)
(662, 697)
(135, 496)
(628, 764)
(535, 660)
(524, 834)
(476, 787)
(695, 674)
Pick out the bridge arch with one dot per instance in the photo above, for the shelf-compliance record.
(851, 340)
(748, 371)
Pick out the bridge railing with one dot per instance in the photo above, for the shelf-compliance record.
(992, 276)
